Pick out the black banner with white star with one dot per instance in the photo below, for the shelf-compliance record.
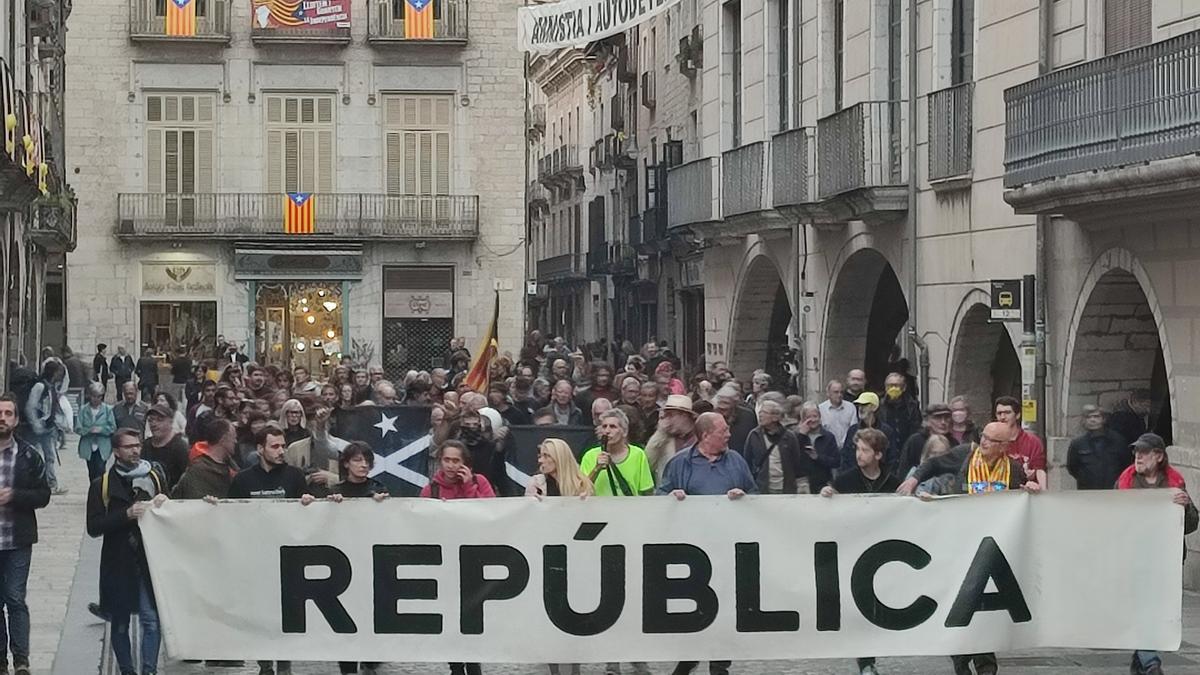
(399, 436)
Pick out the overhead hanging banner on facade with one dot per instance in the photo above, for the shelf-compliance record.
(301, 14)
(654, 579)
(575, 23)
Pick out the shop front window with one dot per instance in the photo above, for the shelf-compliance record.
(299, 324)
(167, 326)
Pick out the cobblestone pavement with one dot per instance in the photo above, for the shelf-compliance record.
(67, 640)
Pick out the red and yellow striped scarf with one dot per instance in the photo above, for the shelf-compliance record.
(982, 478)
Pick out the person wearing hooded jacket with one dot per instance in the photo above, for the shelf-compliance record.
(210, 469)
(116, 500)
(1151, 469)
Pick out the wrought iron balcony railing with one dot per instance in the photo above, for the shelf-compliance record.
(1133, 107)
(793, 157)
(387, 23)
(859, 147)
(744, 184)
(148, 21)
(951, 132)
(560, 267)
(335, 215)
(694, 189)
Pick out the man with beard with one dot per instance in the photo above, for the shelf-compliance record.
(259, 382)
(23, 490)
(676, 431)
(601, 388)
(271, 478)
(115, 502)
(228, 402)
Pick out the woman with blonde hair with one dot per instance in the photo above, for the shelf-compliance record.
(293, 421)
(558, 473)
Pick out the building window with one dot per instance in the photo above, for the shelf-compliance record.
(300, 135)
(962, 42)
(417, 139)
(839, 44)
(733, 50)
(179, 143)
(1127, 24)
(160, 8)
(783, 63)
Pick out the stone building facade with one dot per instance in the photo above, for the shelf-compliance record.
(37, 207)
(850, 189)
(186, 148)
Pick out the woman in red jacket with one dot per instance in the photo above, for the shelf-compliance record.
(455, 480)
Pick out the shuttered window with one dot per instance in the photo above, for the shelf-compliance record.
(1127, 24)
(179, 143)
(300, 143)
(417, 134)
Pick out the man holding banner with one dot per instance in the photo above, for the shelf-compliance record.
(615, 467)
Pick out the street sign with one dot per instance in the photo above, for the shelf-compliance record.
(1006, 300)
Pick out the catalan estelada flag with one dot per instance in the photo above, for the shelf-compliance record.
(181, 18)
(477, 376)
(418, 19)
(298, 213)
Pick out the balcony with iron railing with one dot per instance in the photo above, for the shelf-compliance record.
(148, 21)
(55, 222)
(19, 170)
(793, 158)
(386, 23)
(538, 196)
(622, 259)
(859, 173)
(1110, 138)
(695, 193)
(565, 267)
(951, 136)
(260, 215)
(744, 186)
(561, 166)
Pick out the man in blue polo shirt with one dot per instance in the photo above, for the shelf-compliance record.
(707, 468)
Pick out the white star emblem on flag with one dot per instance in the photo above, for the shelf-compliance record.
(386, 425)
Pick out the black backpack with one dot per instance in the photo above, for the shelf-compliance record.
(21, 382)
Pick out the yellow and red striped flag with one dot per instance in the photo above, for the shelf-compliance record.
(181, 18)
(418, 19)
(298, 213)
(477, 376)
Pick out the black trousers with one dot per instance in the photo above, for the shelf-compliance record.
(985, 664)
(714, 667)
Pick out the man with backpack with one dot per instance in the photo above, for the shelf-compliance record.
(116, 501)
(39, 409)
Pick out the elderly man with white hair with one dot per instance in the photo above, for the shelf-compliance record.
(738, 418)
(775, 455)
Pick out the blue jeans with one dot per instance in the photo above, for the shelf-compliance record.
(48, 444)
(151, 638)
(1146, 658)
(14, 573)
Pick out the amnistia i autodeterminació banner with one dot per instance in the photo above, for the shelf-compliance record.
(654, 579)
(574, 23)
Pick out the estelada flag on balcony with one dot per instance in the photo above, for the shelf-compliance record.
(418, 19)
(181, 18)
(477, 376)
(298, 213)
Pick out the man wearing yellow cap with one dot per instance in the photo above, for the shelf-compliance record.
(868, 418)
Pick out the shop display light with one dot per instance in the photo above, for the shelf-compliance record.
(329, 305)
(310, 319)
(300, 345)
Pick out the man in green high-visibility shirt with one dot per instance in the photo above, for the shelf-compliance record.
(617, 468)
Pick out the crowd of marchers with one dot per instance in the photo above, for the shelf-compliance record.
(234, 429)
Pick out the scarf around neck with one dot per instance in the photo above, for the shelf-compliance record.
(982, 478)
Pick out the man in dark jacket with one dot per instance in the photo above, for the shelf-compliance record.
(774, 454)
(147, 374)
(868, 418)
(1131, 417)
(819, 444)
(1098, 457)
(738, 418)
(937, 421)
(23, 490)
(165, 447)
(121, 368)
(900, 410)
(100, 366)
(115, 502)
(76, 371)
